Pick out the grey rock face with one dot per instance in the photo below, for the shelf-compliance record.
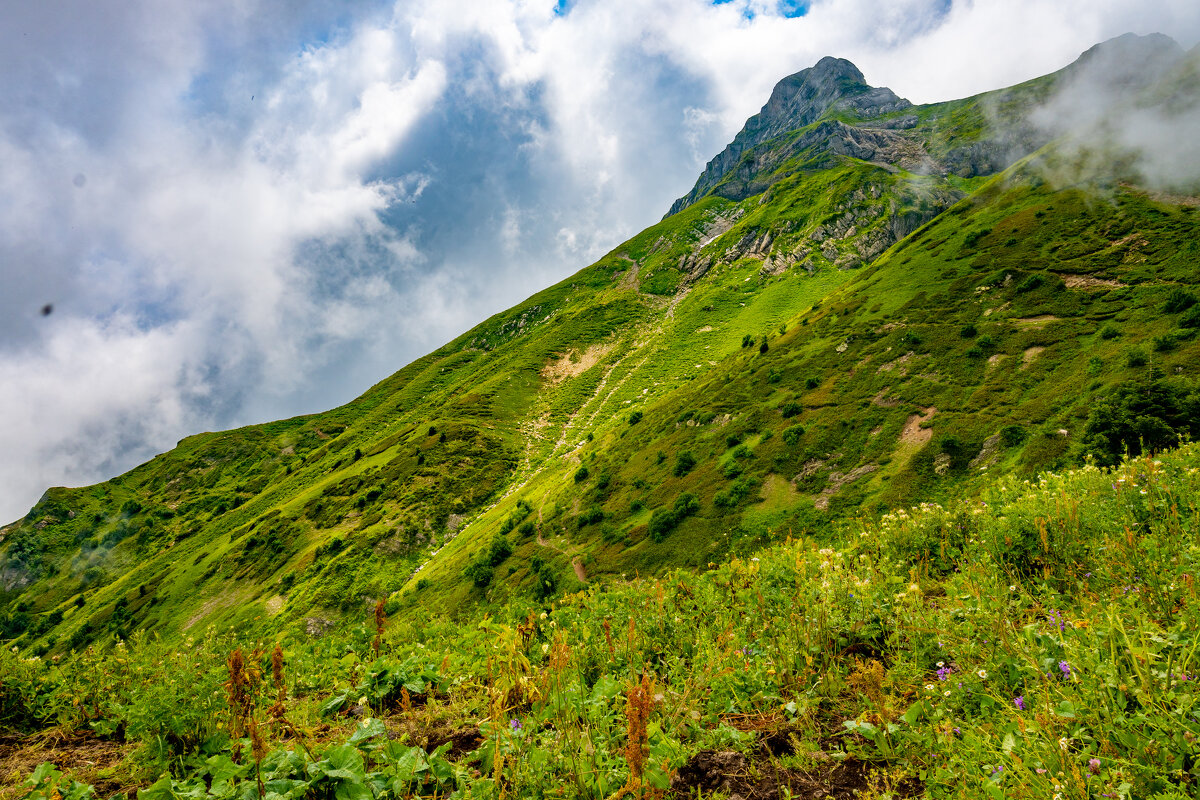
(796, 102)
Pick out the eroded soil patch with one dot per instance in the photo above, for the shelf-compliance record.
(734, 775)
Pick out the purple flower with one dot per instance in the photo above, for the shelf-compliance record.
(1019, 702)
(944, 672)
(515, 724)
(1094, 766)
(1065, 669)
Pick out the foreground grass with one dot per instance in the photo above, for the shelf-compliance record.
(1037, 642)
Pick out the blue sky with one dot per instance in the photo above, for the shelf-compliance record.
(244, 210)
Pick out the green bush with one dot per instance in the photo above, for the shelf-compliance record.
(1012, 435)
(684, 463)
(791, 409)
(1179, 300)
(635, 418)
(791, 435)
(968, 331)
(581, 474)
(1136, 357)
(1109, 332)
(1030, 283)
(665, 520)
(1150, 414)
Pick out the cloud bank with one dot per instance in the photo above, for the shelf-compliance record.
(244, 211)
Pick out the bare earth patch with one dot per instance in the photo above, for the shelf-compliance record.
(899, 362)
(572, 364)
(913, 433)
(1036, 321)
(80, 755)
(837, 480)
(996, 359)
(275, 605)
(882, 398)
(1086, 282)
(732, 774)
(1029, 355)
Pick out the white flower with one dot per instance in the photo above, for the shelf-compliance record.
(1063, 743)
(929, 687)
(1012, 588)
(947, 693)
(941, 663)
(983, 674)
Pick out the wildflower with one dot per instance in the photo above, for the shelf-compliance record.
(946, 693)
(1063, 744)
(1094, 766)
(1019, 702)
(941, 664)
(1065, 669)
(983, 674)
(515, 724)
(929, 687)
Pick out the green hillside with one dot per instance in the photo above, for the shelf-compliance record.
(888, 304)
(1036, 640)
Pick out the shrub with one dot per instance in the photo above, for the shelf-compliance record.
(581, 474)
(812, 383)
(762, 348)
(591, 516)
(479, 573)
(1191, 319)
(791, 409)
(733, 440)
(664, 520)
(1136, 357)
(1030, 283)
(968, 331)
(635, 418)
(526, 529)
(1149, 414)
(747, 341)
(684, 462)
(1179, 300)
(545, 584)
(791, 436)
(974, 236)
(1109, 332)
(498, 550)
(1165, 343)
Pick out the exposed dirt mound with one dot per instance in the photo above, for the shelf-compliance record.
(572, 364)
(80, 755)
(736, 776)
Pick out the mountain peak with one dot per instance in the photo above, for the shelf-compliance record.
(1128, 61)
(801, 99)
(796, 102)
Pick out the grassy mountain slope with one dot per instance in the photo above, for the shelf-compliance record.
(837, 336)
(1036, 640)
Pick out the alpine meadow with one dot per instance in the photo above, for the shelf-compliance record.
(868, 471)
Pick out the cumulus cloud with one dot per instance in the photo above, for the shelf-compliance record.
(242, 211)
